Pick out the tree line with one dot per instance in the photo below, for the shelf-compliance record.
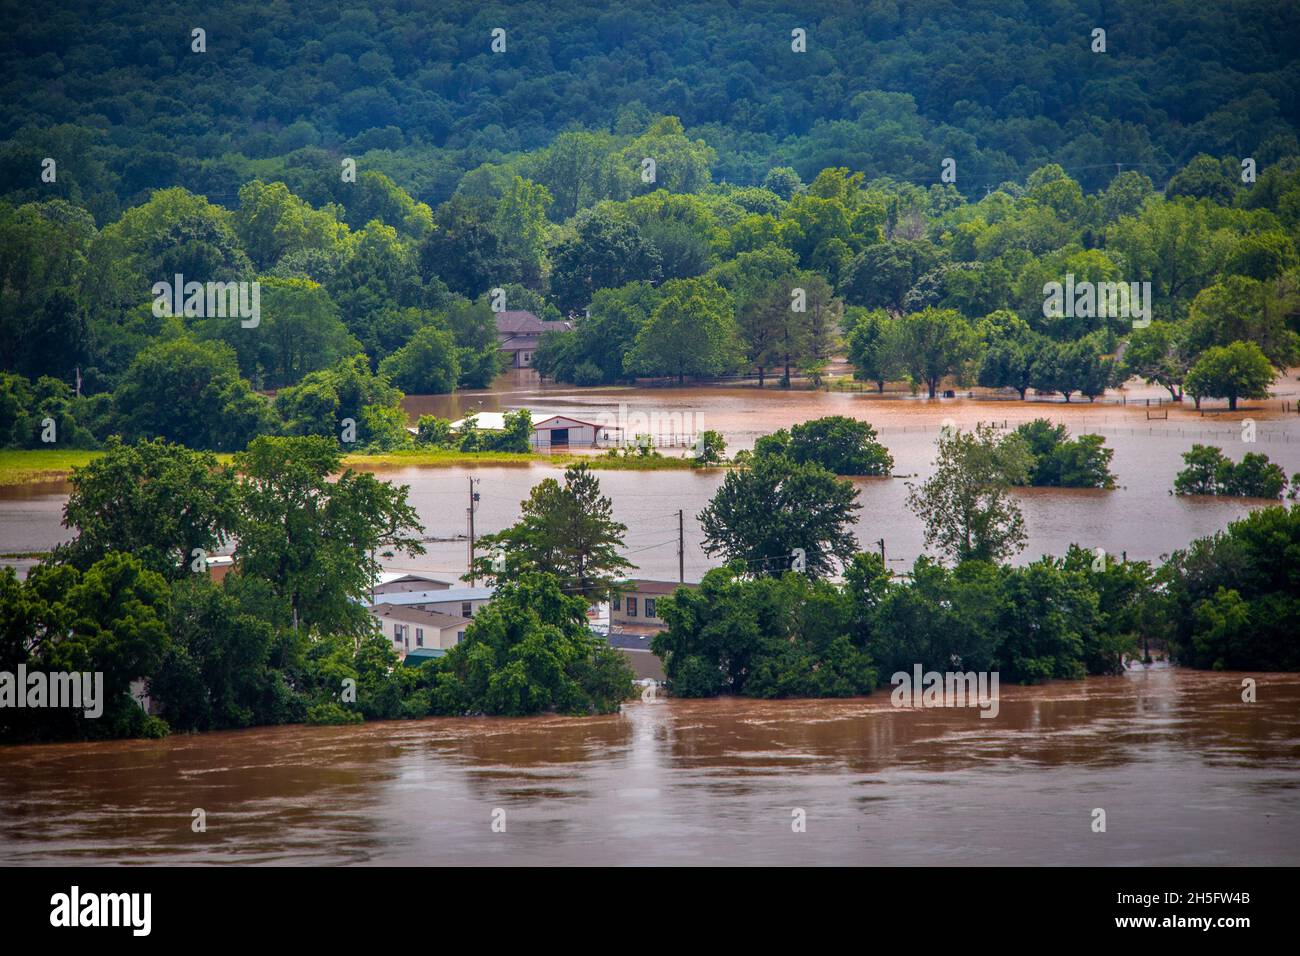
(124, 101)
(285, 636)
(914, 285)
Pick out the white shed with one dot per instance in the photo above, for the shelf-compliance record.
(565, 430)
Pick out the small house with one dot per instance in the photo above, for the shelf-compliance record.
(638, 604)
(520, 332)
(565, 430)
(412, 629)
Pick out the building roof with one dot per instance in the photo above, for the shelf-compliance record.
(422, 655)
(646, 586)
(633, 637)
(545, 424)
(483, 421)
(439, 597)
(389, 582)
(520, 343)
(400, 612)
(523, 322)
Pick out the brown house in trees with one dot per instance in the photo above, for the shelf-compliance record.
(520, 332)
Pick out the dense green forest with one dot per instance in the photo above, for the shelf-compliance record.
(668, 182)
(886, 88)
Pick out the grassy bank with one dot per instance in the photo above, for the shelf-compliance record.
(30, 466)
(444, 457)
(25, 467)
(21, 467)
(439, 457)
(630, 463)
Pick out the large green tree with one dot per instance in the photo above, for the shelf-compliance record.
(316, 541)
(156, 501)
(1234, 596)
(691, 332)
(299, 332)
(936, 343)
(527, 652)
(109, 620)
(426, 365)
(779, 514)
(190, 393)
(565, 530)
(767, 637)
(1235, 371)
(606, 251)
(873, 349)
(966, 504)
(1158, 353)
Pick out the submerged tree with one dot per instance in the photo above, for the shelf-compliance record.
(780, 514)
(318, 541)
(530, 651)
(966, 504)
(1062, 462)
(841, 445)
(1209, 471)
(565, 530)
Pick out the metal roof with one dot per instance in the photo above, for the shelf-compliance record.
(439, 597)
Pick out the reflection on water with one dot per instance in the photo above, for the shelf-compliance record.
(1186, 772)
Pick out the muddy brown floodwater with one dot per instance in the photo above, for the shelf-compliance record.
(1186, 772)
(1140, 518)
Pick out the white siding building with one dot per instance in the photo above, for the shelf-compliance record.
(460, 602)
(410, 628)
(563, 430)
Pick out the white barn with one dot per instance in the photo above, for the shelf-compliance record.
(566, 430)
(554, 430)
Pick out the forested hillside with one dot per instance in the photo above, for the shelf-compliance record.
(914, 176)
(885, 88)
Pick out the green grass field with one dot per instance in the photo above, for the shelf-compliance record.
(438, 457)
(633, 463)
(449, 457)
(25, 467)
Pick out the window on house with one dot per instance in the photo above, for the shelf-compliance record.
(617, 602)
(649, 607)
(460, 636)
(419, 637)
(466, 609)
(631, 607)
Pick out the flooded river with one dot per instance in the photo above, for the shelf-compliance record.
(1186, 772)
(1140, 518)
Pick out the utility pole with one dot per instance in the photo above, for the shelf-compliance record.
(881, 542)
(681, 548)
(473, 497)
